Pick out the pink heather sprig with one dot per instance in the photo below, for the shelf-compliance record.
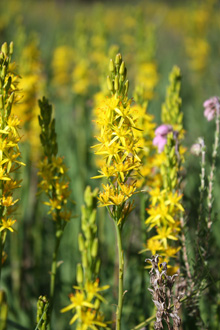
(210, 106)
(160, 139)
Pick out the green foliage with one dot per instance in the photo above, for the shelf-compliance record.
(72, 47)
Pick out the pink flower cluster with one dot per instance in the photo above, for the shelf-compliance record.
(160, 139)
(210, 106)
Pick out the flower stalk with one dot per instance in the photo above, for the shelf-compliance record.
(119, 147)
(86, 302)
(9, 145)
(54, 183)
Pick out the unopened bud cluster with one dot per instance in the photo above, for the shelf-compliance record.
(86, 301)
(116, 80)
(52, 170)
(42, 312)
(87, 240)
(9, 142)
(166, 207)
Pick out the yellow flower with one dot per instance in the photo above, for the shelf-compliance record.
(155, 195)
(158, 213)
(7, 224)
(106, 171)
(13, 125)
(128, 189)
(153, 245)
(90, 321)
(58, 164)
(54, 204)
(92, 289)
(170, 252)
(163, 234)
(78, 301)
(173, 201)
(3, 175)
(10, 159)
(8, 201)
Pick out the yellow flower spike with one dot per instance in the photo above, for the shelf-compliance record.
(119, 146)
(9, 148)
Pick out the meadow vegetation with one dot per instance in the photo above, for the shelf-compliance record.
(109, 150)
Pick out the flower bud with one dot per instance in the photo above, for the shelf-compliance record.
(116, 83)
(97, 304)
(84, 259)
(1, 102)
(111, 66)
(174, 182)
(123, 76)
(79, 274)
(126, 87)
(88, 233)
(172, 152)
(11, 48)
(7, 84)
(122, 68)
(11, 98)
(94, 250)
(4, 48)
(4, 70)
(92, 217)
(81, 242)
(172, 173)
(88, 196)
(110, 84)
(97, 266)
(118, 59)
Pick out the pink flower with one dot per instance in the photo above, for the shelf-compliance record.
(210, 107)
(160, 139)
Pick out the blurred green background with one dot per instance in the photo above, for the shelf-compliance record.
(62, 49)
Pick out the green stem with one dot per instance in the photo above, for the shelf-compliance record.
(2, 243)
(59, 233)
(143, 216)
(120, 276)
